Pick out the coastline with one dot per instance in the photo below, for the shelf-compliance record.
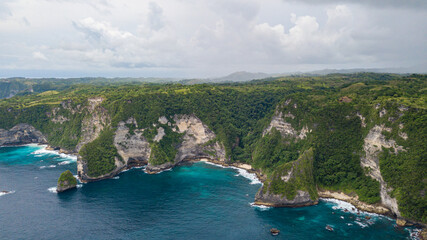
(323, 194)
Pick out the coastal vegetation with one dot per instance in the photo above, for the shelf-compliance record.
(336, 111)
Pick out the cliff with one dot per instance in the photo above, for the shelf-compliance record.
(21, 134)
(197, 141)
(373, 144)
(290, 185)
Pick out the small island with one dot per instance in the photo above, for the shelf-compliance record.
(66, 181)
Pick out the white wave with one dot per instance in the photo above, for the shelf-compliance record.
(42, 167)
(348, 207)
(51, 166)
(361, 224)
(342, 217)
(64, 163)
(5, 193)
(79, 185)
(44, 151)
(241, 172)
(214, 164)
(260, 207)
(52, 190)
(413, 233)
(116, 177)
(251, 176)
(166, 170)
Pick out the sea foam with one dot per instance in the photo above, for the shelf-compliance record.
(43, 151)
(260, 207)
(241, 172)
(5, 193)
(52, 190)
(251, 176)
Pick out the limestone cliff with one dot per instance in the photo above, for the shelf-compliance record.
(95, 121)
(198, 141)
(21, 134)
(285, 128)
(290, 185)
(133, 148)
(373, 144)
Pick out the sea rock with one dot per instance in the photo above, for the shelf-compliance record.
(400, 222)
(66, 181)
(21, 134)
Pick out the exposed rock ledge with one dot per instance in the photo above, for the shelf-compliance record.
(301, 199)
(21, 134)
(373, 208)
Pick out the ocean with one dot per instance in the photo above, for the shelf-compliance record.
(194, 201)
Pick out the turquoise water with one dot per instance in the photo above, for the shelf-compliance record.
(198, 201)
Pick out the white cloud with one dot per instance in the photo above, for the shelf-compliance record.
(39, 56)
(203, 37)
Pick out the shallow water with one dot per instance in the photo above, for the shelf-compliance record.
(198, 201)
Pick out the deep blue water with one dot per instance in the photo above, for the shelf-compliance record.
(198, 201)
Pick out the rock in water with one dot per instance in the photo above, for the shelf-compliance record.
(400, 222)
(274, 231)
(66, 181)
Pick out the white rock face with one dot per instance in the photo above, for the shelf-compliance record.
(374, 142)
(163, 120)
(362, 118)
(131, 147)
(285, 128)
(196, 135)
(160, 134)
(94, 122)
(60, 119)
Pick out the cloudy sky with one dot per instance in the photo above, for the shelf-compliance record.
(206, 38)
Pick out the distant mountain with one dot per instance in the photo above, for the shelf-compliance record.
(241, 77)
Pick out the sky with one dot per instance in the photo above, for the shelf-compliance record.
(206, 38)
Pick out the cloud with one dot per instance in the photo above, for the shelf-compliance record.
(39, 56)
(219, 37)
(415, 4)
(5, 11)
(155, 18)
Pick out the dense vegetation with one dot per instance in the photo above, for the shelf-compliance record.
(238, 114)
(100, 154)
(300, 174)
(68, 177)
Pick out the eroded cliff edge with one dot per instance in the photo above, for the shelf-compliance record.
(290, 185)
(21, 134)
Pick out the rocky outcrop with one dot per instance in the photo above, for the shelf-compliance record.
(290, 185)
(354, 200)
(198, 141)
(195, 140)
(285, 128)
(301, 199)
(133, 148)
(66, 181)
(373, 144)
(21, 134)
(95, 121)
